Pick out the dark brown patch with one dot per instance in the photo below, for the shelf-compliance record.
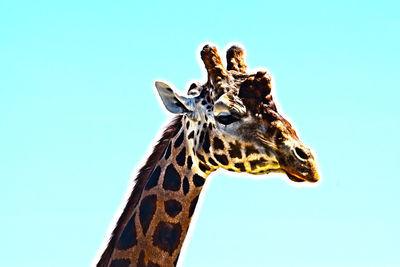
(141, 181)
(212, 162)
(201, 137)
(128, 236)
(179, 140)
(203, 167)
(172, 180)
(177, 129)
(191, 135)
(185, 185)
(168, 151)
(120, 263)
(167, 236)
(193, 206)
(141, 262)
(218, 144)
(181, 157)
(235, 150)
(240, 166)
(152, 264)
(258, 162)
(206, 143)
(153, 179)
(193, 85)
(147, 209)
(250, 149)
(222, 159)
(172, 207)
(200, 157)
(189, 162)
(198, 180)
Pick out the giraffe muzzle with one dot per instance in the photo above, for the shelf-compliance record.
(301, 165)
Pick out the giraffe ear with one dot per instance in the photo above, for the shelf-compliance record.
(173, 102)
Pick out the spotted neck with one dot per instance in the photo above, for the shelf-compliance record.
(155, 221)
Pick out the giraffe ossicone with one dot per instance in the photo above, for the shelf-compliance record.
(230, 122)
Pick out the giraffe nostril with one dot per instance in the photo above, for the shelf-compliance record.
(301, 154)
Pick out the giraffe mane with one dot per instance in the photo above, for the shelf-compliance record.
(140, 181)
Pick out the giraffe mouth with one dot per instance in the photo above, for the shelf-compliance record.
(295, 178)
(299, 179)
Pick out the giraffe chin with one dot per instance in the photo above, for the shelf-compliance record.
(294, 178)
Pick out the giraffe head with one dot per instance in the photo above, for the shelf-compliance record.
(233, 123)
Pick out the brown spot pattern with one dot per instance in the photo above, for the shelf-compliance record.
(185, 185)
(181, 157)
(258, 162)
(128, 236)
(240, 166)
(235, 150)
(222, 159)
(120, 263)
(172, 207)
(179, 140)
(198, 180)
(218, 144)
(193, 206)
(146, 211)
(167, 236)
(172, 180)
(250, 149)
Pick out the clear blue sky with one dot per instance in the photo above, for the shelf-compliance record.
(78, 111)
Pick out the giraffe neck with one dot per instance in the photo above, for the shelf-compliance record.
(154, 224)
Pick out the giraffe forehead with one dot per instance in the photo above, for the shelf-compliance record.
(255, 93)
(253, 90)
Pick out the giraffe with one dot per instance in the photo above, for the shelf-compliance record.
(229, 122)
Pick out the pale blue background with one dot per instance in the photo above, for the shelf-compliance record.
(78, 111)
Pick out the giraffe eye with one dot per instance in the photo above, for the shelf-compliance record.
(226, 119)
